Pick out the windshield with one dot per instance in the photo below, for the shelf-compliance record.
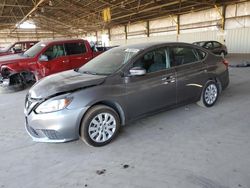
(109, 62)
(34, 50)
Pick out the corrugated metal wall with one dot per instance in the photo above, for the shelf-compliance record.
(197, 26)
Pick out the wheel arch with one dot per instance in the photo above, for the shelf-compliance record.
(114, 105)
(218, 82)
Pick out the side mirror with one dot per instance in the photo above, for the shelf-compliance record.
(13, 50)
(43, 58)
(137, 71)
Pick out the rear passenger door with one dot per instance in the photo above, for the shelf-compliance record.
(191, 72)
(77, 53)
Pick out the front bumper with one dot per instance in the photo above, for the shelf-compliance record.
(60, 126)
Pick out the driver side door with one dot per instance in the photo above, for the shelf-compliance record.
(156, 89)
(56, 61)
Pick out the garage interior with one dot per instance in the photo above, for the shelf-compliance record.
(189, 146)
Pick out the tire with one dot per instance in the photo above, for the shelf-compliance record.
(95, 130)
(209, 94)
(16, 84)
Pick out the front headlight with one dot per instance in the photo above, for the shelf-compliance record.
(53, 105)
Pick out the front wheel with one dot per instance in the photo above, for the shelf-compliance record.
(209, 94)
(99, 126)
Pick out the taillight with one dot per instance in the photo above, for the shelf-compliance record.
(225, 62)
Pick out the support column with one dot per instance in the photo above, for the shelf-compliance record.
(147, 29)
(126, 32)
(109, 34)
(96, 35)
(178, 27)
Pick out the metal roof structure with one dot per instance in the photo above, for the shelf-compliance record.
(83, 16)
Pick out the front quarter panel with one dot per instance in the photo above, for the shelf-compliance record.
(107, 93)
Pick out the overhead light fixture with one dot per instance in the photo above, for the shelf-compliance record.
(27, 25)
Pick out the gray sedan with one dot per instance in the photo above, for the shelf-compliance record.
(121, 85)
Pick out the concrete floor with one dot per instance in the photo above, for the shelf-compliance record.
(188, 147)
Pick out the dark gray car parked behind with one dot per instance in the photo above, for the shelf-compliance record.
(121, 85)
(214, 47)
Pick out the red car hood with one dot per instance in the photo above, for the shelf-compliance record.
(12, 58)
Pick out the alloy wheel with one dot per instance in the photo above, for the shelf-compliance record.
(211, 94)
(102, 127)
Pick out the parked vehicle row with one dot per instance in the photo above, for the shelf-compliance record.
(17, 47)
(43, 59)
(119, 86)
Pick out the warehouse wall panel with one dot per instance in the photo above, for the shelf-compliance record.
(238, 40)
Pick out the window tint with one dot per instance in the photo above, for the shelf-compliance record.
(54, 51)
(18, 47)
(154, 60)
(75, 48)
(184, 55)
(201, 54)
(217, 45)
(208, 45)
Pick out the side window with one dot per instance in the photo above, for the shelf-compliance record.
(201, 54)
(17, 47)
(184, 55)
(54, 51)
(75, 48)
(208, 45)
(32, 44)
(216, 44)
(154, 61)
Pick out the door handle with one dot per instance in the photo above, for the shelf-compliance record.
(169, 79)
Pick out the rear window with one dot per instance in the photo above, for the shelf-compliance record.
(75, 48)
(217, 45)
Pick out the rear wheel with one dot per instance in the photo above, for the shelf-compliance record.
(209, 94)
(100, 126)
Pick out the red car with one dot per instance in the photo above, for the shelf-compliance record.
(17, 47)
(43, 59)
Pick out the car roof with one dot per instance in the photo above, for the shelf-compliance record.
(145, 45)
(61, 40)
(206, 41)
(28, 41)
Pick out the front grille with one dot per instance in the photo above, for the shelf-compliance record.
(32, 131)
(51, 134)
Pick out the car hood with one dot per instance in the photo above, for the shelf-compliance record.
(3, 50)
(11, 58)
(63, 82)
